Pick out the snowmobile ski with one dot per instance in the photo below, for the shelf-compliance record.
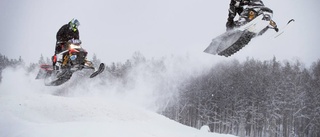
(284, 28)
(100, 70)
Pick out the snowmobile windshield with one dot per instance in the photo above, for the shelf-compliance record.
(74, 46)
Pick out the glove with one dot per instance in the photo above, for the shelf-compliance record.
(237, 4)
(230, 25)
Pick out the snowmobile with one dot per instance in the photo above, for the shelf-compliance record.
(255, 23)
(73, 59)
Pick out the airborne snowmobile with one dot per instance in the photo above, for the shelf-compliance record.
(257, 22)
(74, 59)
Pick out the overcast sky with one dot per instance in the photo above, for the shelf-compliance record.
(115, 29)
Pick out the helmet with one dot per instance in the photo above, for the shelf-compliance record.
(74, 24)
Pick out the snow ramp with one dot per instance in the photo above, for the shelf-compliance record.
(29, 109)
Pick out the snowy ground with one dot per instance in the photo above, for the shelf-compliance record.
(29, 109)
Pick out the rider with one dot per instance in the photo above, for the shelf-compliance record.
(66, 32)
(237, 6)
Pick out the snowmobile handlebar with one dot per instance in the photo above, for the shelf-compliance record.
(71, 41)
(74, 41)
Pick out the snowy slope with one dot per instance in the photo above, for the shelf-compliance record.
(29, 109)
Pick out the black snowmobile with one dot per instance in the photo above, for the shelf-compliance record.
(257, 22)
(74, 59)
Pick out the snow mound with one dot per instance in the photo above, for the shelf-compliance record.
(29, 109)
(205, 128)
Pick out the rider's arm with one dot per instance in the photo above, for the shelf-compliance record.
(232, 10)
(255, 3)
(62, 33)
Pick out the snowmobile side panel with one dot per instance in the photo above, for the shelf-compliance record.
(251, 24)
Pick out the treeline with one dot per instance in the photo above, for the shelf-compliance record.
(5, 62)
(252, 99)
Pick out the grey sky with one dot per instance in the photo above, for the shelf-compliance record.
(115, 29)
